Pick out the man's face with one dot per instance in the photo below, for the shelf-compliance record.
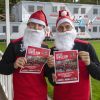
(35, 26)
(64, 27)
(34, 35)
(64, 38)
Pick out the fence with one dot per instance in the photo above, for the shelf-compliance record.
(6, 85)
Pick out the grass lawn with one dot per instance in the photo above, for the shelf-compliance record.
(2, 46)
(95, 83)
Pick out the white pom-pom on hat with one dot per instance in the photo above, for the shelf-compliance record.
(63, 13)
(47, 30)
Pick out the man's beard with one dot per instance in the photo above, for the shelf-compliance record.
(33, 37)
(65, 40)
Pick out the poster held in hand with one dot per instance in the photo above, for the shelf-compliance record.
(36, 59)
(66, 66)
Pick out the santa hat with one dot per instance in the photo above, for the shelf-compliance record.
(38, 17)
(64, 16)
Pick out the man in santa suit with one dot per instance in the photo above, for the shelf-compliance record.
(26, 86)
(65, 39)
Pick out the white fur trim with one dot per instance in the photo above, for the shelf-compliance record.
(65, 20)
(37, 21)
(47, 29)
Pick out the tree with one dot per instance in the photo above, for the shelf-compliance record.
(90, 1)
(12, 2)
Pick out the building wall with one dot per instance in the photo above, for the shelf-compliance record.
(86, 17)
(16, 29)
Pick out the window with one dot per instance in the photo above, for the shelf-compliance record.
(99, 29)
(95, 11)
(15, 29)
(53, 28)
(62, 8)
(4, 29)
(94, 29)
(39, 8)
(82, 29)
(75, 10)
(89, 30)
(30, 8)
(76, 29)
(54, 9)
(82, 10)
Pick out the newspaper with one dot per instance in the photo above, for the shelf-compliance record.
(36, 59)
(66, 66)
